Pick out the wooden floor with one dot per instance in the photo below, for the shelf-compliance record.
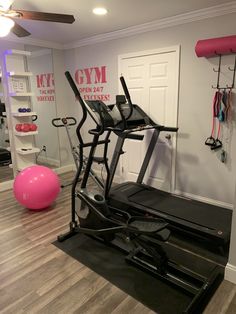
(6, 174)
(36, 277)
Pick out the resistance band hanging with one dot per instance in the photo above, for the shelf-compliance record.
(221, 112)
(211, 141)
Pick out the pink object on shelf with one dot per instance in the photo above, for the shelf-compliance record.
(25, 127)
(18, 127)
(33, 127)
(216, 46)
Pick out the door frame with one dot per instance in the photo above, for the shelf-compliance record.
(176, 50)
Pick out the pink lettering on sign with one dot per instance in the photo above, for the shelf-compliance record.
(45, 86)
(79, 77)
(100, 75)
(88, 77)
(45, 80)
(92, 75)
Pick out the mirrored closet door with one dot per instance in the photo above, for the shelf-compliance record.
(43, 103)
(6, 172)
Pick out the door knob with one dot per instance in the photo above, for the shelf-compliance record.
(168, 136)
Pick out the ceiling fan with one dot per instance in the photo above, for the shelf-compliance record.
(8, 16)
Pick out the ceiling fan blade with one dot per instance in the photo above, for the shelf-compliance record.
(49, 17)
(19, 31)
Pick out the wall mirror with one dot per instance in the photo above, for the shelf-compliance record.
(40, 63)
(6, 172)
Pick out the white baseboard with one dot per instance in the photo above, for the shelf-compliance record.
(204, 199)
(230, 273)
(65, 169)
(49, 161)
(4, 186)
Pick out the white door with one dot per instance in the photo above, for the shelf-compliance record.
(152, 79)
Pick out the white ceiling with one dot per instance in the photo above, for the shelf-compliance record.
(121, 14)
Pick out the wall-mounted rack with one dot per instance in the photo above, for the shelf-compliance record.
(219, 71)
(220, 46)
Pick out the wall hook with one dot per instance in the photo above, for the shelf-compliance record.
(218, 71)
(234, 69)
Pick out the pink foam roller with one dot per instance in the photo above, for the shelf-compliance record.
(212, 47)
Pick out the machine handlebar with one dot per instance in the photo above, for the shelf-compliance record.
(159, 127)
(64, 121)
(72, 84)
(98, 131)
(127, 95)
(76, 92)
(169, 129)
(125, 89)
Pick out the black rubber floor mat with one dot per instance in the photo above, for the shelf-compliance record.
(110, 263)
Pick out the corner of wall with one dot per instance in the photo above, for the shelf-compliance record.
(230, 273)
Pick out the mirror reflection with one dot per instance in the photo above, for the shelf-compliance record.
(44, 105)
(6, 172)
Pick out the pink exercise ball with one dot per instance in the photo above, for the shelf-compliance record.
(36, 187)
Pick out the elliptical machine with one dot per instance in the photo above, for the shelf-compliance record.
(67, 122)
(142, 239)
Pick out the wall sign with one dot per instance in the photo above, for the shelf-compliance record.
(92, 83)
(45, 87)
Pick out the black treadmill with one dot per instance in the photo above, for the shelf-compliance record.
(185, 215)
(199, 219)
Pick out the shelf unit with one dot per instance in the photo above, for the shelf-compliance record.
(25, 133)
(17, 52)
(28, 151)
(24, 114)
(19, 94)
(16, 74)
(17, 91)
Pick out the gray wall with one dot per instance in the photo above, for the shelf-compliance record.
(199, 170)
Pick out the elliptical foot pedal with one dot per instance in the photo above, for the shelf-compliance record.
(146, 225)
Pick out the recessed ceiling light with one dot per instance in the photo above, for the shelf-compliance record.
(100, 11)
